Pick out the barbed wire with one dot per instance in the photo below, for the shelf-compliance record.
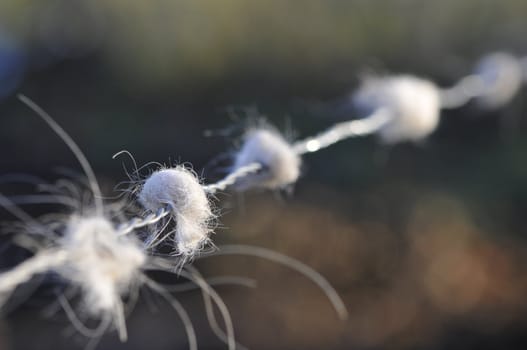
(403, 108)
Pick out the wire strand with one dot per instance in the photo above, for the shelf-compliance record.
(233, 177)
(462, 92)
(138, 222)
(344, 130)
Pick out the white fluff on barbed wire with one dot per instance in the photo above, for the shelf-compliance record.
(412, 103)
(92, 256)
(401, 108)
(494, 82)
(105, 261)
(180, 192)
(104, 265)
(501, 75)
(279, 163)
(90, 253)
(102, 262)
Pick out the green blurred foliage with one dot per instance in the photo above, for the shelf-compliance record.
(189, 42)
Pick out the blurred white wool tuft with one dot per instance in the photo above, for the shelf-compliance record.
(103, 263)
(179, 190)
(501, 77)
(280, 163)
(414, 105)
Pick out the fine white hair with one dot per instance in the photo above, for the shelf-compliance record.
(414, 105)
(180, 190)
(280, 163)
(102, 262)
(500, 75)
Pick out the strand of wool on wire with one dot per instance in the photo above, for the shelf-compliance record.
(92, 256)
(102, 262)
(401, 108)
(398, 108)
(266, 160)
(501, 75)
(495, 80)
(412, 103)
(178, 189)
(95, 256)
(280, 164)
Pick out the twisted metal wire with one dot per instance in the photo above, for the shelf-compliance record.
(233, 177)
(455, 96)
(138, 222)
(344, 130)
(462, 92)
(325, 139)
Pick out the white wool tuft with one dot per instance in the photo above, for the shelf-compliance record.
(103, 263)
(414, 105)
(180, 189)
(281, 165)
(501, 74)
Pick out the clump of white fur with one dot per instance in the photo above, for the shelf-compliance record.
(179, 189)
(280, 164)
(501, 76)
(100, 261)
(413, 103)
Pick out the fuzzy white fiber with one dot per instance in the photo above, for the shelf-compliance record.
(103, 263)
(180, 190)
(414, 105)
(501, 75)
(280, 163)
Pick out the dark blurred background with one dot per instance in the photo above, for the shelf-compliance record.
(425, 243)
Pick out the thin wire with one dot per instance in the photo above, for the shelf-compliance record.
(153, 218)
(233, 177)
(344, 130)
(456, 96)
(462, 92)
(325, 139)
(137, 222)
